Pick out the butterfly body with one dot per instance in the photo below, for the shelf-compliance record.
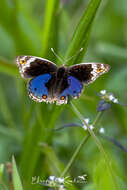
(51, 84)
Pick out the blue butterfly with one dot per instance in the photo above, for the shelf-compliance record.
(51, 84)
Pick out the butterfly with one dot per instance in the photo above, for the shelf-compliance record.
(50, 83)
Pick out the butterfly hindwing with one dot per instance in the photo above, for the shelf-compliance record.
(37, 88)
(30, 66)
(88, 72)
(73, 89)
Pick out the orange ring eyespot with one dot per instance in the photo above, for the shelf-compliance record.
(44, 96)
(100, 70)
(22, 61)
(62, 97)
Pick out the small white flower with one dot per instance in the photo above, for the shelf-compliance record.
(111, 97)
(103, 92)
(84, 127)
(91, 127)
(102, 130)
(115, 100)
(86, 120)
(60, 180)
(52, 178)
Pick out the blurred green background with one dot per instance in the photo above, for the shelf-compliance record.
(31, 28)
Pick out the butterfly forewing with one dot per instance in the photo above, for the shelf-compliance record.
(30, 66)
(88, 72)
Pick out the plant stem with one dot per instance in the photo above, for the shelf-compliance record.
(84, 140)
(97, 142)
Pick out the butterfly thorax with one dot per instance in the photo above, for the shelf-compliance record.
(61, 81)
(61, 72)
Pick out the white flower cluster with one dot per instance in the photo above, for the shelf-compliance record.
(58, 181)
(87, 121)
(110, 96)
(52, 178)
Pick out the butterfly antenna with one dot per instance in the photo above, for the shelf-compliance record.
(61, 60)
(78, 52)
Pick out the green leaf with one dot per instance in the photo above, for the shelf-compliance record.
(101, 171)
(33, 137)
(89, 187)
(15, 176)
(20, 26)
(50, 27)
(81, 35)
(11, 133)
(102, 177)
(1, 171)
(53, 163)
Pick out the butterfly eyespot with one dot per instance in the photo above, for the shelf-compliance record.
(22, 61)
(62, 97)
(35, 89)
(44, 96)
(99, 70)
(74, 91)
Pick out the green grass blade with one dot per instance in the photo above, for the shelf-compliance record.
(24, 31)
(50, 27)
(53, 163)
(7, 115)
(11, 133)
(31, 150)
(8, 68)
(81, 35)
(1, 171)
(15, 176)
